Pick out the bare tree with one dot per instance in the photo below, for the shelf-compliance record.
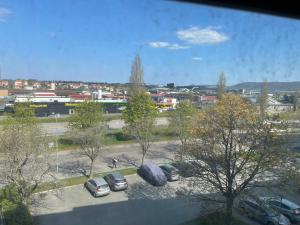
(136, 80)
(221, 86)
(25, 159)
(234, 151)
(91, 143)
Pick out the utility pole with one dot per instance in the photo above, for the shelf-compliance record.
(56, 143)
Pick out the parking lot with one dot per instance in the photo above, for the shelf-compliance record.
(141, 203)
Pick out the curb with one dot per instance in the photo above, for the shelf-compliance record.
(69, 186)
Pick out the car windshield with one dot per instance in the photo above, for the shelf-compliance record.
(118, 177)
(169, 168)
(103, 186)
(270, 211)
(290, 204)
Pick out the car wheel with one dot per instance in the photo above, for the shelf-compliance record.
(290, 219)
(94, 194)
(243, 211)
(249, 215)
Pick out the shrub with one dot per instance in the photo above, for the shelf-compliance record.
(14, 211)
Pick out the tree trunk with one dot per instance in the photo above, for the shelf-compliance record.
(92, 169)
(182, 151)
(143, 158)
(228, 212)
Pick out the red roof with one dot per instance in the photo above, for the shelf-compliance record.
(80, 96)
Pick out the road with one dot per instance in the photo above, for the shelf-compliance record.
(52, 129)
(141, 203)
(73, 163)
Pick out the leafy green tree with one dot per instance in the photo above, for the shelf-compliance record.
(221, 86)
(23, 114)
(181, 120)
(13, 210)
(139, 117)
(87, 114)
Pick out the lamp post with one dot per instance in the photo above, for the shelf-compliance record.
(56, 142)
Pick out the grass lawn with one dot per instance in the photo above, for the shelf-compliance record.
(117, 136)
(215, 218)
(79, 180)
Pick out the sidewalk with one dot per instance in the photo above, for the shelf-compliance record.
(72, 163)
(116, 147)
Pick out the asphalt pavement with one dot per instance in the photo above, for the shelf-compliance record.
(60, 128)
(141, 203)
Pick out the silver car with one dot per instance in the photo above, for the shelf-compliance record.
(262, 213)
(290, 209)
(97, 186)
(170, 171)
(116, 181)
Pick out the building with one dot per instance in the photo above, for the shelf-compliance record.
(274, 106)
(207, 99)
(3, 93)
(18, 84)
(4, 83)
(81, 96)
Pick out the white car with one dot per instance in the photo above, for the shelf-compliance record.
(97, 186)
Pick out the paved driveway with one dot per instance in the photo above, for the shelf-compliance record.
(140, 204)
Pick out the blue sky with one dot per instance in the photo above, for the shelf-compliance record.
(181, 43)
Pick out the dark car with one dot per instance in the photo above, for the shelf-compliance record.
(185, 169)
(116, 181)
(170, 171)
(152, 173)
(262, 213)
(288, 208)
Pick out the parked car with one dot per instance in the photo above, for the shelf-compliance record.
(170, 171)
(97, 186)
(116, 181)
(152, 173)
(262, 213)
(290, 209)
(185, 169)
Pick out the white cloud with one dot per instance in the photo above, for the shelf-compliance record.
(159, 44)
(201, 36)
(197, 58)
(4, 13)
(177, 47)
(163, 44)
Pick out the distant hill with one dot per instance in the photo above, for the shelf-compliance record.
(273, 86)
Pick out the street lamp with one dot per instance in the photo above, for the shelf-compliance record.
(56, 142)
